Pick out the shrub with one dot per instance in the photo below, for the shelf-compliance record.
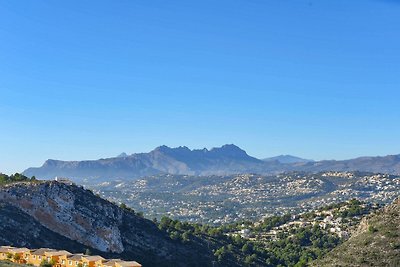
(45, 263)
(17, 257)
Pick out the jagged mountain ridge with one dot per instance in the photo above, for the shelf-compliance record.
(228, 159)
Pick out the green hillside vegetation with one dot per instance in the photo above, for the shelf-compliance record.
(6, 179)
(377, 242)
(296, 246)
(6, 263)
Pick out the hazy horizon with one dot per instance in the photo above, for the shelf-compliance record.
(88, 80)
(191, 148)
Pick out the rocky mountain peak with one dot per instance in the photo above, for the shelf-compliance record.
(167, 149)
(50, 163)
(229, 150)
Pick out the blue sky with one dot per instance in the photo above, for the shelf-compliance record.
(91, 79)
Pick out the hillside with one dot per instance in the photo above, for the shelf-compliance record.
(227, 199)
(65, 216)
(389, 164)
(376, 243)
(57, 215)
(13, 220)
(225, 160)
(62, 215)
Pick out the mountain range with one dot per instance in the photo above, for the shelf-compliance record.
(225, 160)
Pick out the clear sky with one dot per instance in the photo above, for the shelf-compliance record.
(91, 79)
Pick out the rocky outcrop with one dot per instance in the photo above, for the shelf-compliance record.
(21, 230)
(69, 214)
(60, 208)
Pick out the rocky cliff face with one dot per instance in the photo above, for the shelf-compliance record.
(21, 230)
(61, 209)
(69, 213)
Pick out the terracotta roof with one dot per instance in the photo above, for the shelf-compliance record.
(57, 253)
(5, 248)
(41, 251)
(129, 264)
(75, 257)
(111, 262)
(93, 258)
(19, 250)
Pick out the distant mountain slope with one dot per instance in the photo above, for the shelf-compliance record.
(225, 160)
(377, 242)
(58, 215)
(228, 159)
(388, 164)
(287, 159)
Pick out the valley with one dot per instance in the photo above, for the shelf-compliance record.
(298, 217)
(220, 200)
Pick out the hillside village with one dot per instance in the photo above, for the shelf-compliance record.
(337, 219)
(59, 258)
(227, 199)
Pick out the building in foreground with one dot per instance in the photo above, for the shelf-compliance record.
(59, 258)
